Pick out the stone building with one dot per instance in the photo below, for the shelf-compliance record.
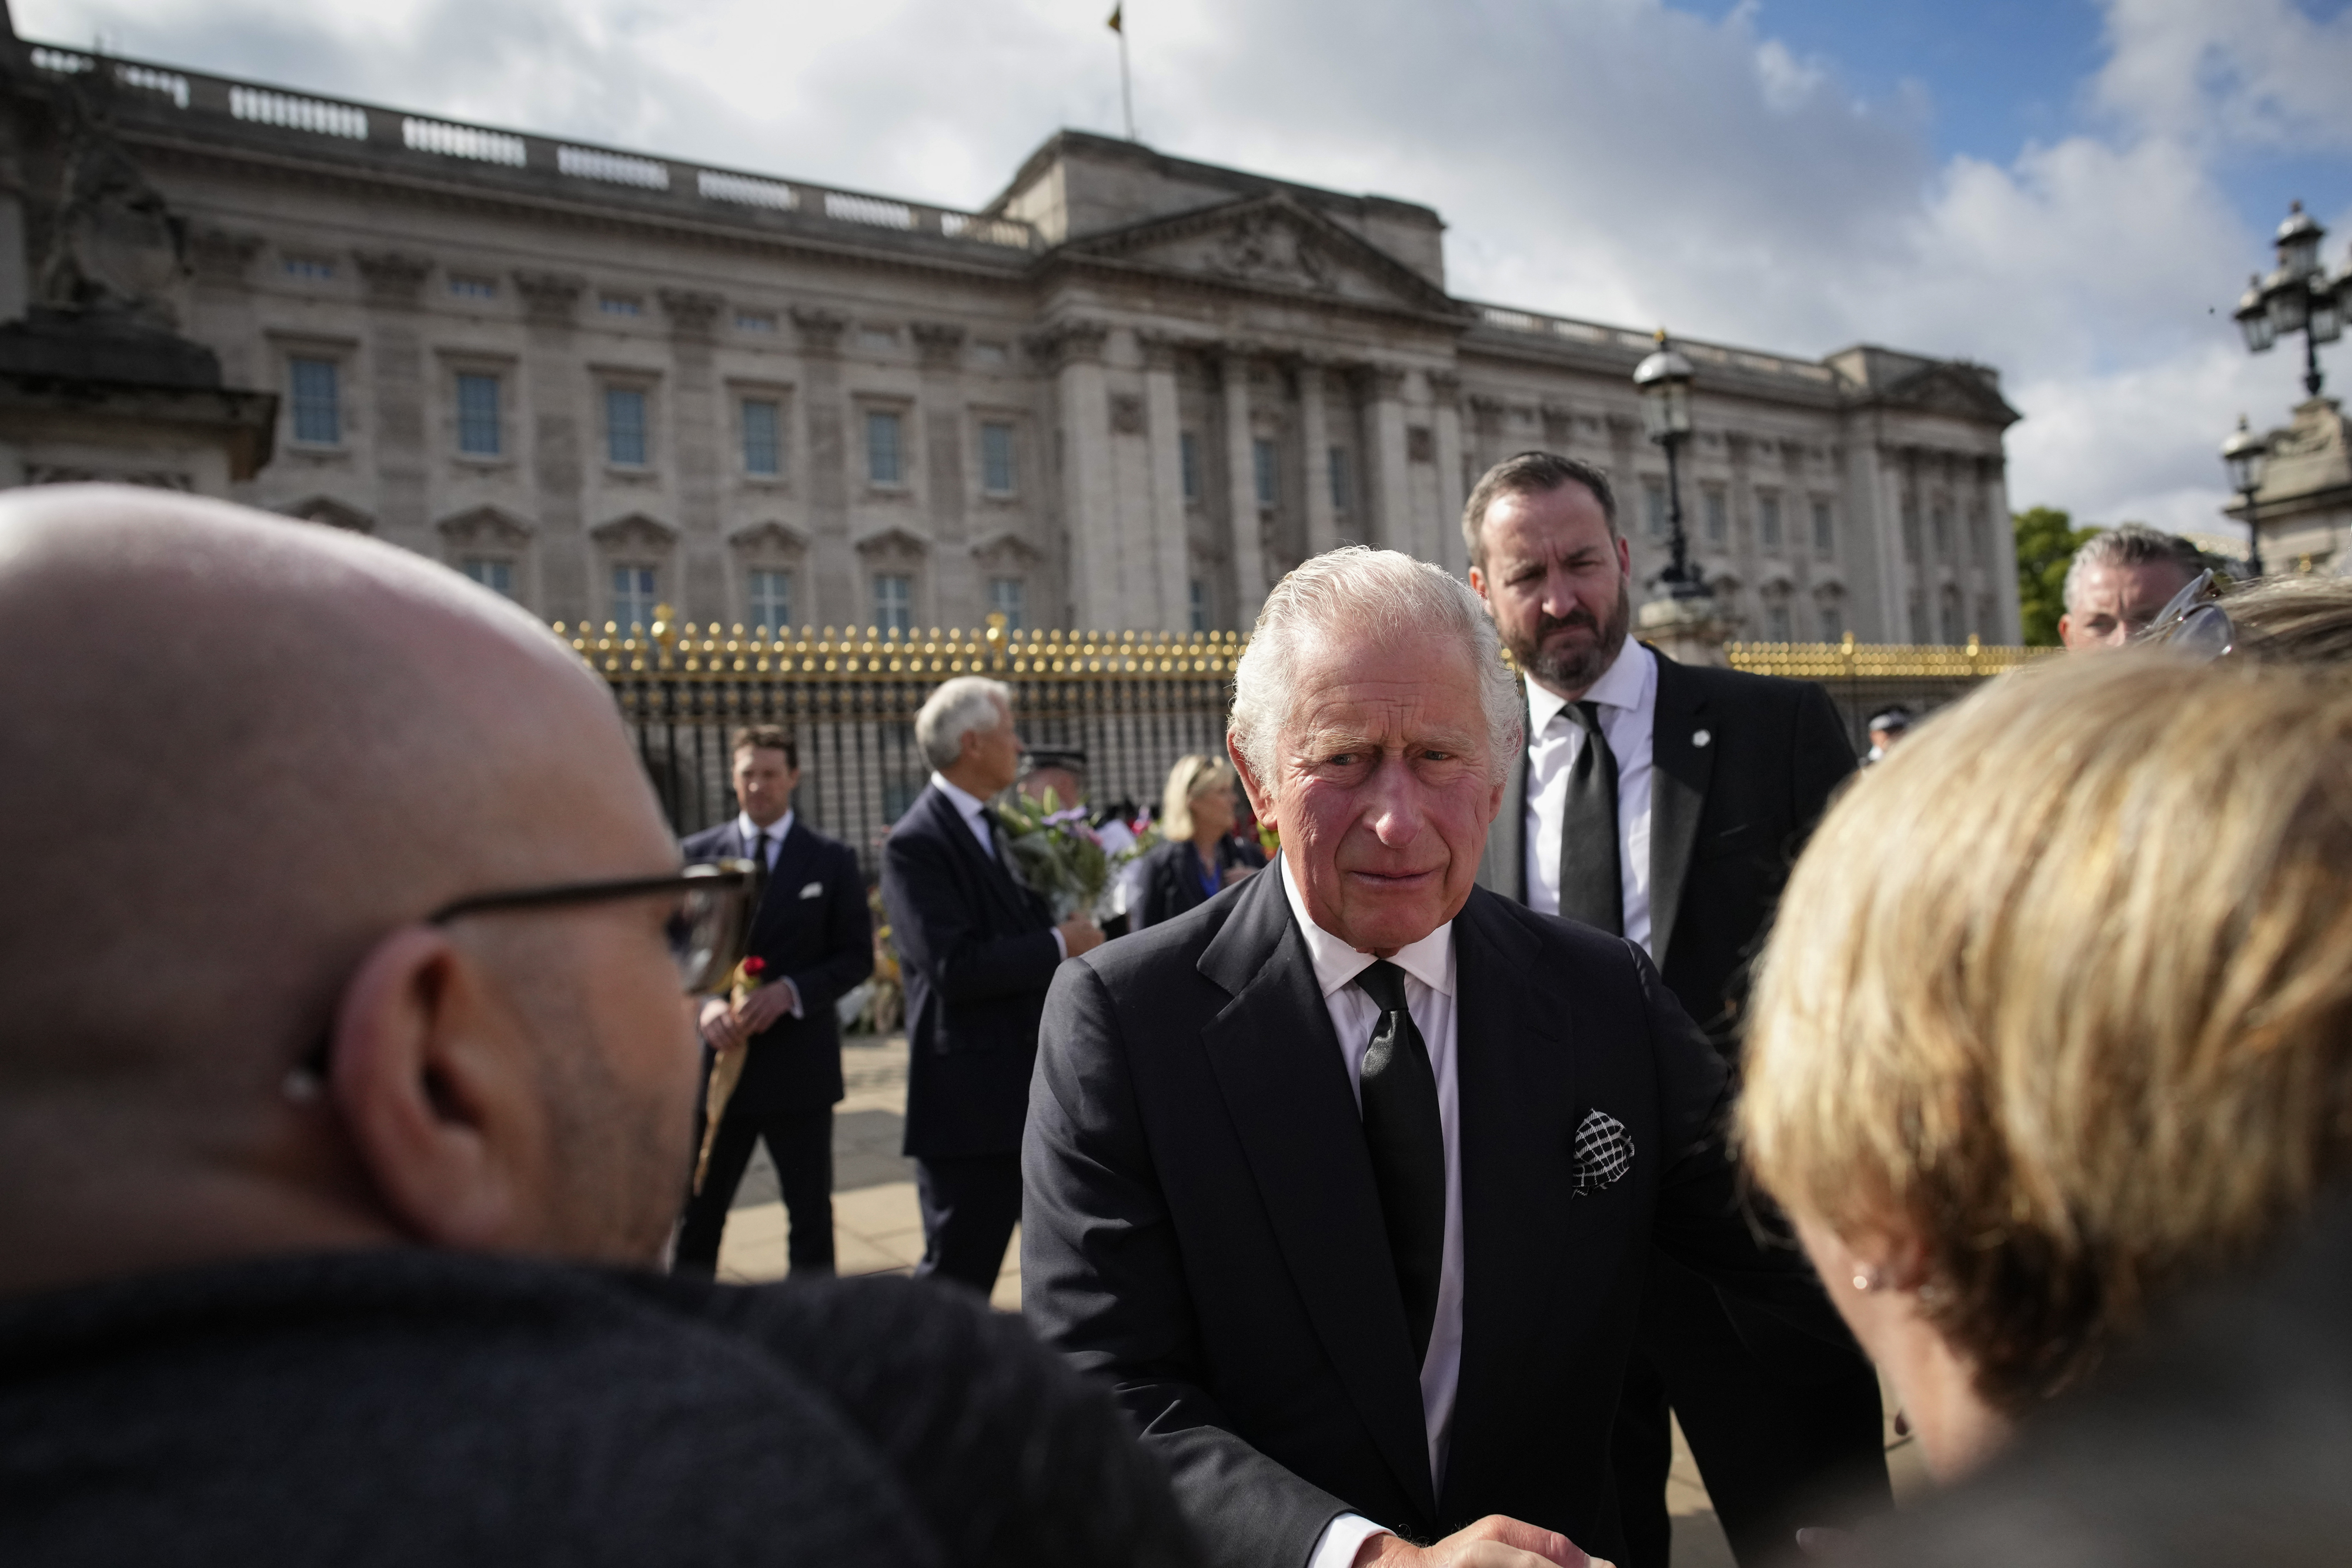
(1128, 393)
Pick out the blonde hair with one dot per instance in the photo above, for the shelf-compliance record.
(2061, 991)
(1194, 774)
(2294, 619)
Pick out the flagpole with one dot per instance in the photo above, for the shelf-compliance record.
(1126, 87)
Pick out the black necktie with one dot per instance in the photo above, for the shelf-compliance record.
(1408, 1146)
(1591, 885)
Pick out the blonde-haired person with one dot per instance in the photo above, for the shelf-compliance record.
(2057, 1018)
(1198, 859)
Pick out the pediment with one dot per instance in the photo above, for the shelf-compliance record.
(332, 513)
(893, 545)
(1274, 244)
(769, 539)
(1004, 551)
(486, 525)
(637, 532)
(1952, 389)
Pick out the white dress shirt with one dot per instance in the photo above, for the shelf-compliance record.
(770, 842)
(974, 812)
(1627, 695)
(1429, 997)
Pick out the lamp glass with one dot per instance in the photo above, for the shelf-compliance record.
(2326, 316)
(2289, 299)
(2254, 322)
(2299, 252)
(2245, 468)
(1666, 409)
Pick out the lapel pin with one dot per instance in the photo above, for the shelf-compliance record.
(1700, 738)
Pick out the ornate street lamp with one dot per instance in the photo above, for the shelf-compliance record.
(2299, 295)
(1665, 379)
(2244, 454)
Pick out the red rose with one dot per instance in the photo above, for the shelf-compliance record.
(754, 965)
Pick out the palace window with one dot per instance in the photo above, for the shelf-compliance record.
(877, 340)
(635, 593)
(1768, 524)
(317, 401)
(894, 601)
(1654, 507)
(1833, 623)
(884, 465)
(621, 305)
(763, 443)
(624, 427)
(309, 268)
(1009, 597)
(1268, 472)
(479, 433)
(493, 572)
(1340, 498)
(771, 595)
(1188, 459)
(996, 472)
(466, 288)
(1200, 597)
(1824, 531)
(755, 322)
(1716, 507)
(1777, 624)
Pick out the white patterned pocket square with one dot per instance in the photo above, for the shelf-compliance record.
(1604, 1153)
(814, 890)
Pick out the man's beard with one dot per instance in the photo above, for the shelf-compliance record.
(1572, 669)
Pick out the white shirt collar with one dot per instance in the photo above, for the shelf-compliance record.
(1625, 683)
(1429, 960)
(753, 831)
(962, 800)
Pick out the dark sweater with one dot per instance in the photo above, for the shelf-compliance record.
(418, 1407)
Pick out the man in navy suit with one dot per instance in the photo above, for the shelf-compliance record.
(812, 934)
(979, 949)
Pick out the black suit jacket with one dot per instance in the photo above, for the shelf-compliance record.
(1727, 816)
(1200, 1226)
(812, 926)
(978, 951)
(1171, 879)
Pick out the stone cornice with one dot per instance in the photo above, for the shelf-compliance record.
(692, 313)
(393, 278)
(819, 329)
(1069, 343)
(938, 344)
(549, 298)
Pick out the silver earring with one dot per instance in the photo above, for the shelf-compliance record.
(1866, 1279)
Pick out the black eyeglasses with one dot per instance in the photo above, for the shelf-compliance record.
(706, 932)
(2193, 621)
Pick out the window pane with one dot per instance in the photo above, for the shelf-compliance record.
(764, 450)
(772, 599)
(633, 595)
(1269, 475)
(624, 426)
(1833, 623)
(996, 459)
(1825, 538)
(1776, 623)
(318, 410)
(1340, 484)
(894, 598)
(1653, 505)
(1200, 605)
(1188, 450)
(492, 573)
(1009, 597)
(477, 415)
(1768, 523)
(1718, 518)
(882, 465)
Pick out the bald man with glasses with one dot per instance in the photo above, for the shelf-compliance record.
(346, 1095)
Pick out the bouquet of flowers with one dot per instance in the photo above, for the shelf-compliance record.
(1060, 856)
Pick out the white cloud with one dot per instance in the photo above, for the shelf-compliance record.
(1605, 157)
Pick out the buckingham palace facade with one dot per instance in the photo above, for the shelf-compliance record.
(1128, 393)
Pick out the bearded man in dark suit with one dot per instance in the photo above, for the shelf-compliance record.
(1664, 803)
(815, 940)
(1347, 1180)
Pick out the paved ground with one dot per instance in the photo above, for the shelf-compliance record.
(878, 1228)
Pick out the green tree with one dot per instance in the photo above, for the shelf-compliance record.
(2047, 539)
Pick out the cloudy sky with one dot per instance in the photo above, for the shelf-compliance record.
(2073, 191)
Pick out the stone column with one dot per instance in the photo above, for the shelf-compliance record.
(1445, 393)
(1089, 508)
(1389, 506)
(833, 568)
(550, 391)
(1241, 490)
(1172, 556)
(955, 587)
(1992, 496)
(396, 344)
(700, 426)
(1315, 435)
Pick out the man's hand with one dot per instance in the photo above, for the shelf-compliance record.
(1494, 1541)
(765, 1005)
(719, 1026)
(1079, 935)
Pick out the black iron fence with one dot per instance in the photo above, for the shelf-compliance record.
(1133, 701)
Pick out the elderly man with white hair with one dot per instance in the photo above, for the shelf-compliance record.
(1347, 1180)
(979, 949)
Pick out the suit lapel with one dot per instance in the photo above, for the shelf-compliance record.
(993, 873)
(1679, 771)
(1285, 1087)
(1514, 1071)
(1503, 868)
(790, 875)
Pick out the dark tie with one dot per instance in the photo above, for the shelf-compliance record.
(1408, 1146)
(1591, 885)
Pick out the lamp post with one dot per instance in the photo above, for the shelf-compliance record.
(1665, 379)
(2244, 454)
(2298, 296)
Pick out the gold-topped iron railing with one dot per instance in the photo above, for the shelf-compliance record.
(1852, 660)
(710, 651)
